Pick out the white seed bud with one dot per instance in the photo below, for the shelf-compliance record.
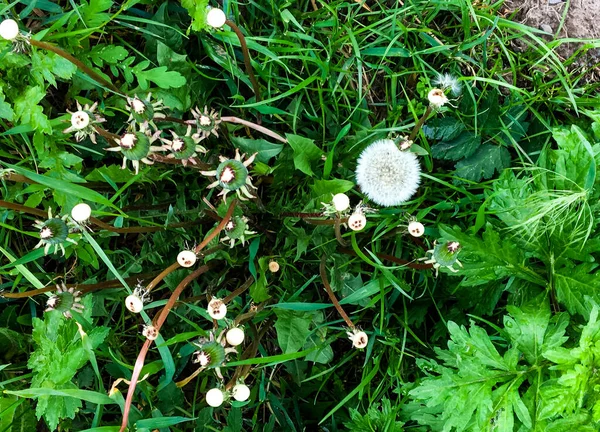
(341, 202)
(186, 258)
(357, 221)
(240, 392)
(150, 332)
(437, 98)
(9, 29)
(134, 303)
(235, 336)
(80, 120)
(416, 229)
(359, 339)
(216, 18)
(273, 266)
(214, 397)
(216, 309)
(81, 212)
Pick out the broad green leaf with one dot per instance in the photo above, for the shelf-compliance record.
(292, 330)
(487, 160)
(305, 153)
(331, 187)
(265, 149)
(161, 422)
(572, 284)
(460, 147)
(443, 128)
(28, 111)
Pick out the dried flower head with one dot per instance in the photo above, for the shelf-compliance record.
(144, 111)
(232, 175)
(185, 148)
(448, 82)
(135, 301)
(416, 229)
(216, 309)
(387, 175)
(437, 98)
(206, 122)
(358, 337)
(236, 229)
(137, 147)
(84, 121)
(202, 358)
(187, 258)
(54, 232)
(273, 266)
(443, 255)
(65, 300)
(150, 332)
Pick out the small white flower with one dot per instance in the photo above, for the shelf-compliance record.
(9, 29)
(216, 18)
(235, 336)
(150, 332)
(437, 98)
(387, 175)
(81, 212)
(416, 229)
(214, 397)
(341, 202)
(186, 258)
(357, 221)
(359, 338)
(240, 392)
(217, 309)
(447, 81)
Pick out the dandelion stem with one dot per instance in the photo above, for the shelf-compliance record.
(419, 124)
(301, 215)
(338, 231)
(246, 54)
(239, 291)
(334, 300)
(100, 80)
(231, 119)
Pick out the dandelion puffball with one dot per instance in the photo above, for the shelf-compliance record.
(216, 18)
(235, 336)
(214, 397)
(357, 221)
(81, 212)
(186, 258)
(387, 175)
(217, 309)
(9, 29)
(240, 392)
(341, 202)
(416, 229)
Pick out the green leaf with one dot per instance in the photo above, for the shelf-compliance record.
(292, 329)
(331, 187)
(160, 76)
(572, 284)
(86, 395)
(305, 152)
(28, 111)
(462, 146)
(161, 422)
(197, 10)
(443, 128)
(487, 160)
(265, 149)
(110, 54)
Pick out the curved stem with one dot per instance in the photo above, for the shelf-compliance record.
(338, 231)
(56, 50)
(246, 54)
(422, 120)
(334, 300)
(237, 120)
(239, 291)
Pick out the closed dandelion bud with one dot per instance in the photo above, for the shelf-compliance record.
(216, 309)
(437, 98)
(341, 202)
(9, 29)
(215, 397)
(416, 229)
(235, 336)
(81, 212)
(357, 221)
(240, 392)
(150, 332)
(273, 266)
(216, 18)
(186, 258)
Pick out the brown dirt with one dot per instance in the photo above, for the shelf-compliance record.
(582, 22)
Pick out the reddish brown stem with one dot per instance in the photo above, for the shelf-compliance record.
(246, 54)
(238, 291)
(334, 300)
(338, 231)
(301, 215)
(422, 120)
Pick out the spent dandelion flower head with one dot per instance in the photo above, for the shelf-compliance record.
(216, 309)
(449, 82)
(236, 229)
(187, 258)
(215, 397)
(232, 176)
(240, 392)
(387, 175)
(9, 29)
(150, 332)
(207, 122)
(184, 148)
(54, 232)
(358, 338)
(215, 17)
(443, 255)
(235, 336)
(144, 111)
(137, 147)
(65, 300)
(135, 301)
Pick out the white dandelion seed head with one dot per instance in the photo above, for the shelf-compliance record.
(240, 392)
(81, 212)
(341, 202)
(215, 397)
(273, 266)
(387, 175)
(416, 229)
(80, 120)
(216, 18)
(9, 29)
(437, 98)
(448, 82)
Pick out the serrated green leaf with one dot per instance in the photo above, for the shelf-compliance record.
(305, 152)
(265, 149)
(443, 128)
(462, 146)
(487, 160)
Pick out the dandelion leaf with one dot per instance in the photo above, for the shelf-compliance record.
(464, 145)
(376, 419)
(482, 164)
(305, 153)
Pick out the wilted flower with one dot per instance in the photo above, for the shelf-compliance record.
(65, 300)
(206, 122)
(216, 309)
(83, 122)
(144, 111)
(444, 255)
(437, 98)
(359, 338)
(202, 358)
(54, 231)
(236, 229)
(232, 175)
(387, 175)
(185, 148)
(137, 147)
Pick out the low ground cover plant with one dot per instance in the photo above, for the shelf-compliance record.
(276, 216)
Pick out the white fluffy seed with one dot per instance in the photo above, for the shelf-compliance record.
(81, 212)
(9, 29)
(235, 336)
(416, 229)
(240, 392)
(341, 202)
(214, 397)
(216, 18)
(134, 303)
(186, 258)
(437, 98)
